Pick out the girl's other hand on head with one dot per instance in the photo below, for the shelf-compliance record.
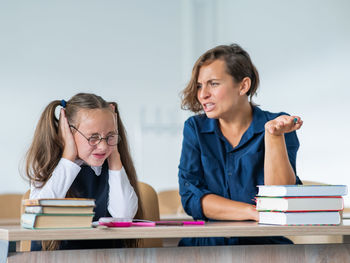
(114, 162)
(70, 149)
(283, 124)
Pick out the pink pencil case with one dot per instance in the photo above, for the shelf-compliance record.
(123, 222)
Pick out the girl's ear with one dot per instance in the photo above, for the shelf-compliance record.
(245, 86)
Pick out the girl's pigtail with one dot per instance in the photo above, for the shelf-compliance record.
(46, 148)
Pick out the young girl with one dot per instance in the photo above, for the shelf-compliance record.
(233, 146)
(84, 154)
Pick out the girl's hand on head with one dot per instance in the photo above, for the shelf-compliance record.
(114, 162)
(69, 147)
(283, 124)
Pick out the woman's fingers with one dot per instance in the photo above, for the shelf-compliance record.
(283, 124)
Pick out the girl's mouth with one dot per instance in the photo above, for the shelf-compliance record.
(99, 155)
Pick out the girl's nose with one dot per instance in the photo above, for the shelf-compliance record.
(103, 144)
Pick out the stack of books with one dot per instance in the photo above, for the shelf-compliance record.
(57, 213)
(300, 204)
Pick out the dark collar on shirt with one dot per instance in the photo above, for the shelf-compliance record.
(257, 125)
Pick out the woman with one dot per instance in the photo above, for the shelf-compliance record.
(234, 146)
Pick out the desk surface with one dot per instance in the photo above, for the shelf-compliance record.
(9, 221)
(211, 229)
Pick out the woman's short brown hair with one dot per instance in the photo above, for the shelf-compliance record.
(238, 65)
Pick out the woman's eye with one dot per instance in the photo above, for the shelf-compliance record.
(214, 84)
(199, 86)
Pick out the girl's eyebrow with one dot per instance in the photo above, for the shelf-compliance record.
(109, 133)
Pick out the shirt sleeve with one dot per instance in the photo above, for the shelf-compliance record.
(191, 178)
(59, 183)
(123, 201)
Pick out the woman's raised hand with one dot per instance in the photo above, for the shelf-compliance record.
(283, 124)
(69, 147)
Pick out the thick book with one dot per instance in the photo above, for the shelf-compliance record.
(302, 190)
(45, 221)
(299, 218)
(300, 204)
(59, 209)
(59, 202)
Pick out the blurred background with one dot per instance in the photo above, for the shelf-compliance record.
(140, 54)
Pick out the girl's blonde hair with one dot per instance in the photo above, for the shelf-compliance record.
(46, 149)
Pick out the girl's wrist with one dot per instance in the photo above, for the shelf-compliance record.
(68, 156)
(114, 162)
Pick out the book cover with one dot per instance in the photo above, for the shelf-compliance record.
(59, 209)
(300, 218)
(42, 221)
(59, 202)
(302, 190)
(310, 203)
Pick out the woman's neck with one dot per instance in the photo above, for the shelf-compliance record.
(236, 123)
(238, 118)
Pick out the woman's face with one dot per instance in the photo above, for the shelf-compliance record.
(91, 123)
(216, 90)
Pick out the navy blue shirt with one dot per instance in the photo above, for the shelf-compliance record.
(209, 164)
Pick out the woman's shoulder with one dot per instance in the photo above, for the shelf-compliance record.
(200, 123)
(197, 120)
(268, 114)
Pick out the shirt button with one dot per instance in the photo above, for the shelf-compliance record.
(187, 184)
(229, 174)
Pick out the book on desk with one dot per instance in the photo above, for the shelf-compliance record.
(302, 190)
(57, 213)
(300, 204)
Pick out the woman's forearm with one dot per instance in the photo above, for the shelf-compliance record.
(220, 208)
(277, 168)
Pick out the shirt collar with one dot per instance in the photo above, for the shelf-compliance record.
(259, 120)
(257, 125)
(209, 125)
(96, 169)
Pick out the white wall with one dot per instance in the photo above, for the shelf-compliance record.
(140, 53)
(124, 51)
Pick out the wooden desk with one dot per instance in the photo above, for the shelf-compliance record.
(214, 229)
(9, 221)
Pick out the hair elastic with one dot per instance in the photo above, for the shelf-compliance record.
(63, 103)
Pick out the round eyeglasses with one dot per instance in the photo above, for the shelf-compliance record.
(111, 140)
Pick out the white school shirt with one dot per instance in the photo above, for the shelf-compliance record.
(122, 199)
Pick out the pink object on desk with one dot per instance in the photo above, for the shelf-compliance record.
(126, 222)
(143, 223)
(178, 223)
(197, 223)
(116, 224)
(123, 222)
